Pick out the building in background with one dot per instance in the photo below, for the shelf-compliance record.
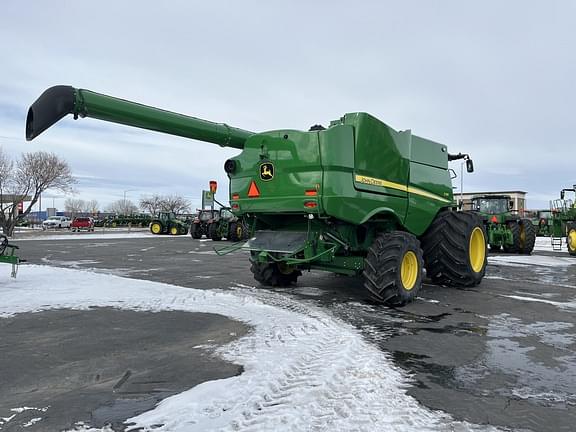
(518, 197)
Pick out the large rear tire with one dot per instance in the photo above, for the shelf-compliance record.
(213, 232)
(571, 238)
(524, 237)
(196, 231)
(455, 249)
(527, 237)
(515, 246)
(393, 268)
(274, 274)
(237, 231)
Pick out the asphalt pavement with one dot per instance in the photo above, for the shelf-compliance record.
(502, 353)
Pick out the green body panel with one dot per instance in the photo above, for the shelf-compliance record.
(360, 168)
(337, 187)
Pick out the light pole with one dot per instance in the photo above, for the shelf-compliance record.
(461, 184)
(124, 200)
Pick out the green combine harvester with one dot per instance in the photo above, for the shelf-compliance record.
(564, 221)
(504, 227)
(355, 198)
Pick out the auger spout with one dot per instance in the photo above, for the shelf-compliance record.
(59, 101)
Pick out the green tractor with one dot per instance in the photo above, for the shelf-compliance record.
(564, 222)
(168, 223)
(544, 223)
(356, 198)
(504, 227)
(227, 224)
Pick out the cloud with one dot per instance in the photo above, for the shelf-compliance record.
(493, 79)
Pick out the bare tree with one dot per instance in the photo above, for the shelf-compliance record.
(176, 204)
(151, 204)
(74, 206)
(122, 207)
(25, 180)
(91, 207)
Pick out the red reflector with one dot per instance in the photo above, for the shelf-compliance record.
(253, 191)
(494, 219)
(235, 206)
(235, 196)
(310, 204)
(311, 192)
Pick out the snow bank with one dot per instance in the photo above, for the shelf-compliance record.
(545, 244)
(97, 236)
(304, 369)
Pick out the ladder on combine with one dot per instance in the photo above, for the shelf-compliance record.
(556, 243)
(10, 258)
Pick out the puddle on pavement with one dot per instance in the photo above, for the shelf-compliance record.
(534, 361)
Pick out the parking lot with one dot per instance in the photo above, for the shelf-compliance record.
(501, 354)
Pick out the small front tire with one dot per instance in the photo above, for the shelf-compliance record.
(393, 268)
(274, 274)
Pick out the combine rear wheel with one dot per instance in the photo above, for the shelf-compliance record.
(393, 268)
(571, 239)
(155, 228)
(274, 274)
(174, 230)
(455, 249)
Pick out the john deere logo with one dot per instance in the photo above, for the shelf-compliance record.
(267, 171)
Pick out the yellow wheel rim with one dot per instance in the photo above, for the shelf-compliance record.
(156, 228)
(173, 230)
(572, 239)
(409, 270)
(239, 232)
(477, 249)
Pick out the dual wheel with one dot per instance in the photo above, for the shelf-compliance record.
(453, 251)
(523, 235)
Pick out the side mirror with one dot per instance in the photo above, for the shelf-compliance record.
(469, 165)
(511, 204)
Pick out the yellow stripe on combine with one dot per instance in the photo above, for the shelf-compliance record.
(391, 185)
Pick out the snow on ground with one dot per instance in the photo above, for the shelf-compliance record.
(562, 305)
(304, 369)
(545, 244)
(530, 260)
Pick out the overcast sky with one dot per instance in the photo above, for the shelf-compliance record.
(496, 79)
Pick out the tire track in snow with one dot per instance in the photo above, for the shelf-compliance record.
(303, 369)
